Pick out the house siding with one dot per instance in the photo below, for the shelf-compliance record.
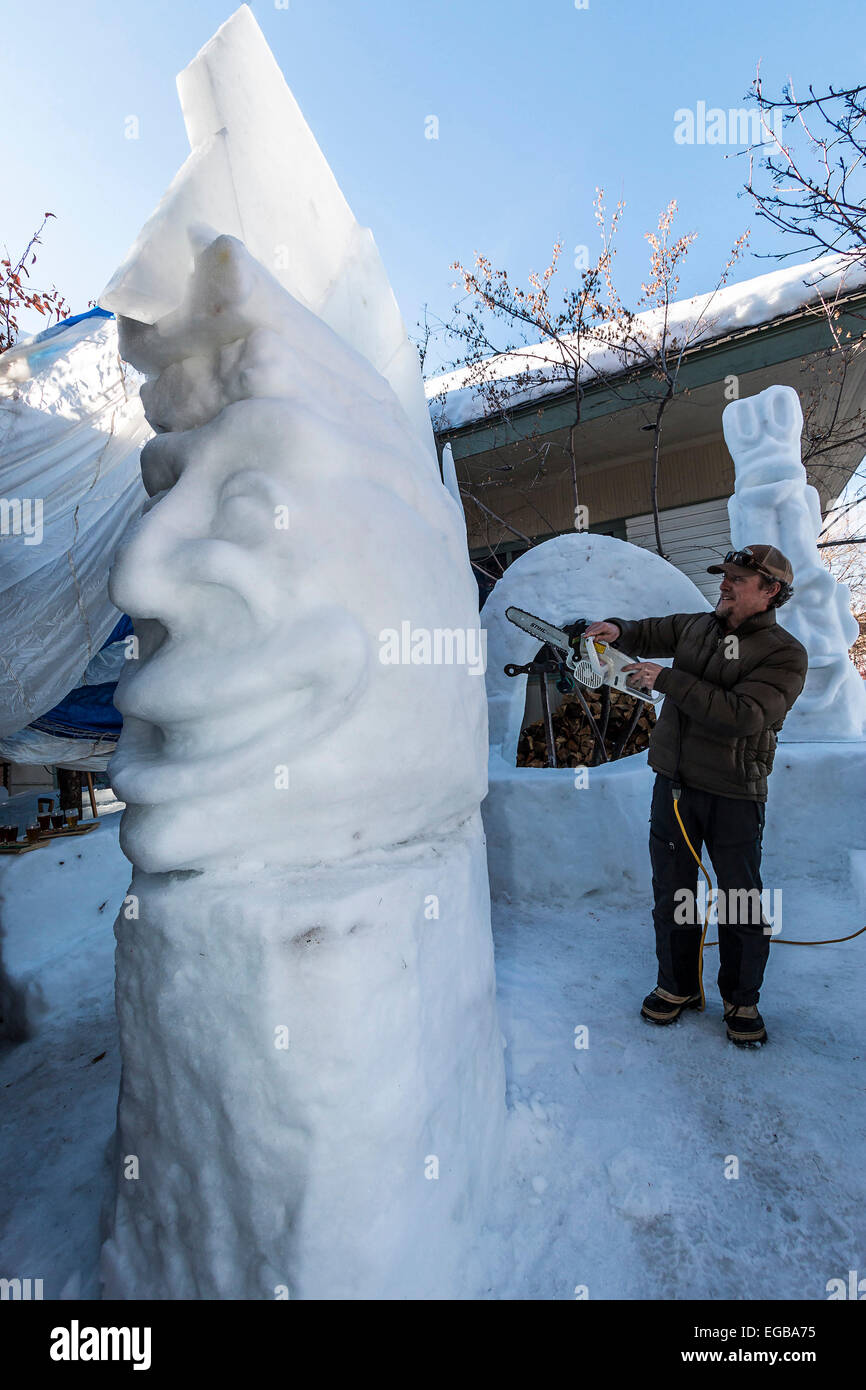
(686, 476)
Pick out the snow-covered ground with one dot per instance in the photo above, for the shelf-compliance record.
(59, 1087)
(616, 1153)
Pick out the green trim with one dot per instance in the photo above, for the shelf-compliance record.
(766, 346)
(615, 528)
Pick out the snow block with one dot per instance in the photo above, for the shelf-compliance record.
(815, 812)
(552, 840)
(312, 1082)
(858, 876)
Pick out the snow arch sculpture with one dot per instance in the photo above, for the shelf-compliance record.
(573, 576)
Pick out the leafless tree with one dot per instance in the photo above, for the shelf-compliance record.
(652, 343)
(547, 343)
(17, 295)
(809, 183)
(589, 337)
(817, 189)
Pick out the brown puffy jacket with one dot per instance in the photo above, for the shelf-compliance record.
(724, 702)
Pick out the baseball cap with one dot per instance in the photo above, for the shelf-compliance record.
(766, 559)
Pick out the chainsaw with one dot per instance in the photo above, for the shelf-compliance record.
(591, 662)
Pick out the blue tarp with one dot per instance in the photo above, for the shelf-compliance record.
(88, 710)
(62, 324)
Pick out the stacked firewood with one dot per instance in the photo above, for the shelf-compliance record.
(575, 743)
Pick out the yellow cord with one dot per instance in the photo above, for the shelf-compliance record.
(786, 940)
(776, 940)
(709, 900)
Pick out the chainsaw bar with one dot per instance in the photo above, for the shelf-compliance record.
(545, 632)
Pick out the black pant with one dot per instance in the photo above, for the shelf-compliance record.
(732, 830)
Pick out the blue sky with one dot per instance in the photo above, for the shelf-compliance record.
(537, 102)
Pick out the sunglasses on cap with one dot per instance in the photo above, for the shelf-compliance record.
(744, 558)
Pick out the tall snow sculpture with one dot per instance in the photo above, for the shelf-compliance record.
(256, 172)
(312, 1094)
(774, 504)
(312, 1068)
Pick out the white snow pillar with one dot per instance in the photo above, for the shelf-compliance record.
(773, 504)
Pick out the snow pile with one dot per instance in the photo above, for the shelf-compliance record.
(312, 1068)
(773, 504)
(731, 309)
(71, 427)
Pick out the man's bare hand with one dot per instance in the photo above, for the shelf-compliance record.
(644, 674)
(605, 632)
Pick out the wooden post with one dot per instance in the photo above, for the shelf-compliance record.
(92, 794)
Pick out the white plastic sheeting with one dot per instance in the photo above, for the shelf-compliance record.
(71, 429)
(36, 749)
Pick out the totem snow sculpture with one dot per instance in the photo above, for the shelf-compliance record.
(312, 1068)
(312, 1093)
(774, 504)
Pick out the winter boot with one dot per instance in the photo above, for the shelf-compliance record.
(744, 1024)
(662, 1007)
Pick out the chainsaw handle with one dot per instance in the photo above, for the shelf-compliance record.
(592, 655)
(652, 695)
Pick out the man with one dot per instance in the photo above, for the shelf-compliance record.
(735, 675)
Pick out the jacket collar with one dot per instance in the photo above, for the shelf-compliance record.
(753, 624)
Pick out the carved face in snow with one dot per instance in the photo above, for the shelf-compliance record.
(294, 518)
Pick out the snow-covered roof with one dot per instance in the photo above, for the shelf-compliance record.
(701, 318)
